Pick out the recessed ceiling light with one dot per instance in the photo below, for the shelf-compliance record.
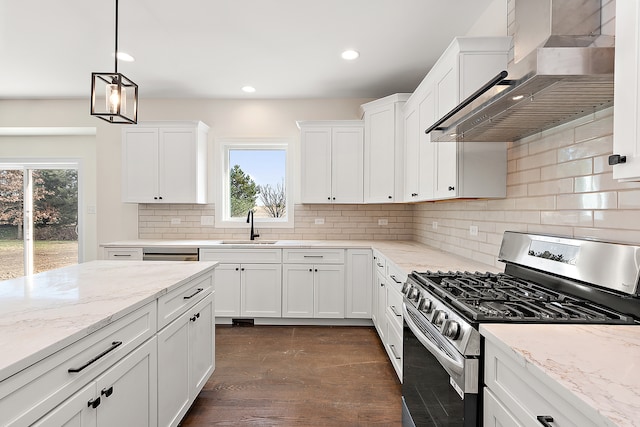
(249, 89)
(517, 98)
(350, 55)
(123, 56)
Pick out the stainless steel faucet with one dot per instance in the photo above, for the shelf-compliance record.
(253, 234)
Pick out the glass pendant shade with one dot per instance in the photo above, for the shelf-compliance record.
(114, 98)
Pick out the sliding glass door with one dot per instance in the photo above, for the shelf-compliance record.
(38, 218)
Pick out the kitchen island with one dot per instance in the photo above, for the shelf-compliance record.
(582, 375)
(63, 329)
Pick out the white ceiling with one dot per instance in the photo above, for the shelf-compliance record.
(211, 48)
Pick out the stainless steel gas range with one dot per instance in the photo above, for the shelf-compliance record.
(547, 279)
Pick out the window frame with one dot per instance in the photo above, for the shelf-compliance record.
(222, 220)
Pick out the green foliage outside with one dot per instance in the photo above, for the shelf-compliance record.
(55, 198)
(244, 192)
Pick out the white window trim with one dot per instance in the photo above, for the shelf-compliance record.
(221, 183)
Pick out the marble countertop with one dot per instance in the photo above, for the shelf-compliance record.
(42, 313)
(407, 255)
(596, 366)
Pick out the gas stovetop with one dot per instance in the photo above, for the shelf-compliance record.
(488, 297)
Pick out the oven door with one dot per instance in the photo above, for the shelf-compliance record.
(439, 385)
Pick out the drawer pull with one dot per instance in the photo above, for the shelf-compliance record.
(313, 256)
(195, 317)
(393, 309)
(194, 294)
(379, 265)
(395, 279)
(114, 345)
(393, 350)
(106, 392)
(545, 420)
(94, 403)
(125, 255)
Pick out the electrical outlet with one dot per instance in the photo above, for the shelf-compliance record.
(175, 221)
(473, 230)
(206, 220)
(319, 221)
(434, 224)
(383, 221)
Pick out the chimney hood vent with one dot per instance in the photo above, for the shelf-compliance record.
(567, 74)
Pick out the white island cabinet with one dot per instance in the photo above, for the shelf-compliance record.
(82, 346)
(164, 162)
(562, 375)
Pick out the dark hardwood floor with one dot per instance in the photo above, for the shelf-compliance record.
(298, 376)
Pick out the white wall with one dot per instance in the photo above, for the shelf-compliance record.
(492, 23)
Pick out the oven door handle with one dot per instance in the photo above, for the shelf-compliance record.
(453, 365)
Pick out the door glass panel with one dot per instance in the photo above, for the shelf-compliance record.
(11, 226)
(55, 218)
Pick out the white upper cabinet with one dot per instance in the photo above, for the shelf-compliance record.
(164, 162)
(626, 122)
(443, 170)
(332, 161)
(383, 149)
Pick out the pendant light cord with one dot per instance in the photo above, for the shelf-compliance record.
(116, 54)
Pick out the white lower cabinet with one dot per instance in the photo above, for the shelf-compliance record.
(310, 290)
(185, 360)
(124, 395)
(518, 397)
(358, 289)
(248, 281)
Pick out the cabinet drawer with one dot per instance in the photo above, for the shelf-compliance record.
(30, 394)
(314, 256)
(379, 263)
(395, 276)
(394, 307)
(394, 348)
(174, 303)
(239, 256)
(123, 254)
(525, 395)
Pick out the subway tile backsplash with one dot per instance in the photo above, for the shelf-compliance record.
(558, 182)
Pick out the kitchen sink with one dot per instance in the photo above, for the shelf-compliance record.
(248, 242)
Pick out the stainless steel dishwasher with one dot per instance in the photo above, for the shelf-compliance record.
(170, 254)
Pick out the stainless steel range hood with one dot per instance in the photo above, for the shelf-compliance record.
(562, 70)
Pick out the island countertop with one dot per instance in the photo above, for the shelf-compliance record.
(45, 312)
(596, 367)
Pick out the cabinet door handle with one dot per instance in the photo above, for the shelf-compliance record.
(160, 197)
(545, 420)
(379, 265)
(390, 197)
(393, 350)
(414, 194)
(451, 188)
(617, 159)
(155, 198)
(106, 392)
(94, 403)
(114, 345)
(395, 279)
(194, 294)
(393, 309)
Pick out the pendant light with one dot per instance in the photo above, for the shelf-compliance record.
(114, 97)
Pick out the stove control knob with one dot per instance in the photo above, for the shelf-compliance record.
(406, 287)
(451, 329)
(414, 294)
(425, 305)
(439, 317)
